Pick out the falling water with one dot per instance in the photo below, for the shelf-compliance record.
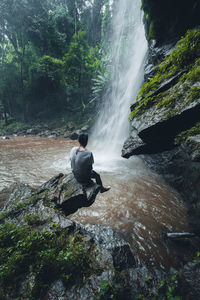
(128, 52)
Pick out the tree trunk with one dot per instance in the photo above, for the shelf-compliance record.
(5, 113)
(22, 83)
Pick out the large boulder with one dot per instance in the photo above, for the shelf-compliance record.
(68, 194)
(169, 102)
(154, 131)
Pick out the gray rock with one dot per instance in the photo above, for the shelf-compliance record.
(157, 129)
(190, 280)
(133, 145)
(193, 145)
(52, 136)
(5, 137)
(179, 171)
(75, 135)
(18, 193)
(68, 194)
(85, 128)
(70, 126)
(121, 254)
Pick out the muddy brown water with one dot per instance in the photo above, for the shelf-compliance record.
(139, 203)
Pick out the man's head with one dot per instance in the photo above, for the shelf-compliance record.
(83, 139)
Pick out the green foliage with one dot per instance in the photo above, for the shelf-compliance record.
(183, 136)
(34, 219)
(185, 57)
(197, 258)
(165, 289)
(108, 290)
(33, 49)
(49, 71)
(80, 65)
(11, 127)
(47, 255)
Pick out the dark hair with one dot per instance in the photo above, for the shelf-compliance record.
(83, 139)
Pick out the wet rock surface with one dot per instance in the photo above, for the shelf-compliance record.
(112, 252)
(157, 131)
(68, 194)
(179, 171)
(119, 274)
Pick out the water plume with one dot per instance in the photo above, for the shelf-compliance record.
(128, 52)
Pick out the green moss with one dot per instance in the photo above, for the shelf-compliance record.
(12, 127)
(69, 190)
(163, 289)
(44, 255)
(183, 136)
(17, 208)
(186, 56)
(34, 219)
(108, 290)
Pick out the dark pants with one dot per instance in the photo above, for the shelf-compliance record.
(97, 177)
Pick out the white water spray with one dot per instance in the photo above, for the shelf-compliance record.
(128, 52)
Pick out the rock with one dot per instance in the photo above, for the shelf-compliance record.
(5, 137)
(133, 144)
(157, 129)
(66, 135)
(52, 136)
(193, 145)
(179, 171)
(190, 280)
(30, 131)
(75, 135)
(34, 130)
(18, 193)
(70, 126)
(4, 194)
(68, 194)
(121, 254)
(85, 128)
(158, 53)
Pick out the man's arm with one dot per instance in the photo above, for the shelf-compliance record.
(72, 152)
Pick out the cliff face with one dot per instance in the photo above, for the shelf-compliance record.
(168, 19)
(165, 118)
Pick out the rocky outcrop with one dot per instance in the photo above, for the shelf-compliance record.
(178, 170)
(112, 261)
(68, 194)
(155, 131)
(165, 118)
(109, 269)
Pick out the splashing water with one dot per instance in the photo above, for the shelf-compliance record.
(129, 48)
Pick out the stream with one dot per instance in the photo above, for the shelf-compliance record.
(140, 203)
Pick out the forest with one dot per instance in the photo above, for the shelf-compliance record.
(53, 58)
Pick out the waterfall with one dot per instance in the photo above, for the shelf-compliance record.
(128, 52)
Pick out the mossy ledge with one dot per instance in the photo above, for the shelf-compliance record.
(184, 60)
(169, 102)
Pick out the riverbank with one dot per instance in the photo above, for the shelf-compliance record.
(52, 129)
(52, 256)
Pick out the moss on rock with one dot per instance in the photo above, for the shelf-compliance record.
(184, 60)
(183, 136)
(47, 255)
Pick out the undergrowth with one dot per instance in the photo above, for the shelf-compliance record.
(43, 255)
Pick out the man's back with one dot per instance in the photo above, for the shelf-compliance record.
(81, 164)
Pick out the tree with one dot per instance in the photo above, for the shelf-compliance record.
(80, 66)
(47, 85)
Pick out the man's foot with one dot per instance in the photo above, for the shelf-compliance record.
(105, 189)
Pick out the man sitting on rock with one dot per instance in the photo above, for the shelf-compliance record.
(81, 164)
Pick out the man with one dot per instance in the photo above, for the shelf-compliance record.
(81, 164)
